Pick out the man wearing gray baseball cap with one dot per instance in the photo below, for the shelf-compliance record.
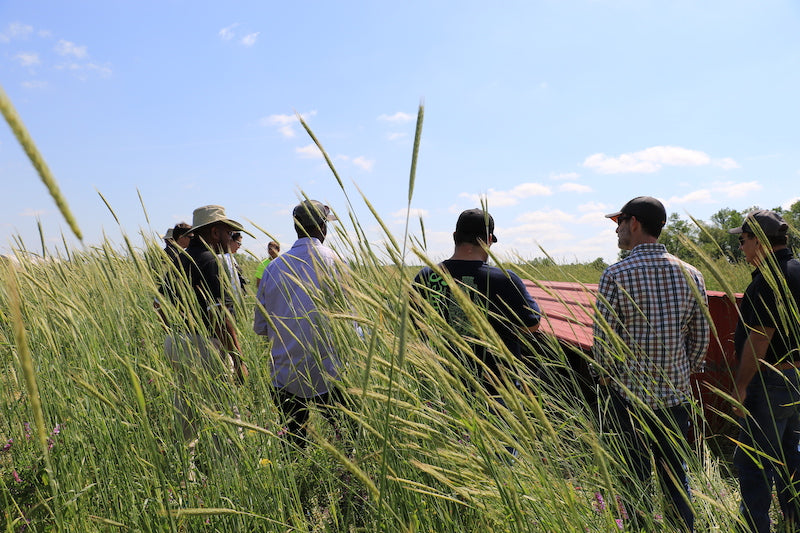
(767, 383)
(304, 363)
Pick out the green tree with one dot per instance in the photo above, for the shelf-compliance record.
(675, 235)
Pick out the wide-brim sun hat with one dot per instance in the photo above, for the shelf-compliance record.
(213, 214)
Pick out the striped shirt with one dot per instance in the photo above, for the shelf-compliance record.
(651, 331)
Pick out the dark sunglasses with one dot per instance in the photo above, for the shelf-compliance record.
(623, 218)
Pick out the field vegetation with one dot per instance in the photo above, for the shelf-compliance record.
(89, 440)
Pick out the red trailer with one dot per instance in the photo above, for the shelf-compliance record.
(568, 315)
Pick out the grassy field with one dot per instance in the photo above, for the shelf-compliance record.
(419, 449)
(89, 440)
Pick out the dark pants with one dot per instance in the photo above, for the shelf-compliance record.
(773, 429)
(660, 433)
(296, 410)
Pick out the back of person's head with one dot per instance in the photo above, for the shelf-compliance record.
(648, 211)
(311, 218)
(180, 229)
(473, 227)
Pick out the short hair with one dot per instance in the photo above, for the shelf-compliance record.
(180, 229)
(651, 227)
(273, 244)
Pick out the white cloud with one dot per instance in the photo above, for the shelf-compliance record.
(363, 163)
(413, 213)
(396, 136)
(737, 190)
(574, 187)
(593, 206)
(652, 160)
(34, 84)
(788, 204)
(729, 189)
(27, 59)
(285, 123)
(726, 163)
(701, 195)
(227, 33)
(16, 30)
(67, 48)
(595, 218)
(494, 198)
(544, 215)
(82, 69)
(249, 39)
(398, 117)
(532, 234)
(310, 151)
(565, 176)
(30, 212)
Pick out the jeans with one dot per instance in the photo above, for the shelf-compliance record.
(660, 433)
(773, 429)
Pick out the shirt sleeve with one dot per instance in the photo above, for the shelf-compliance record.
(525, 307)
(605, 320)
(699, 330)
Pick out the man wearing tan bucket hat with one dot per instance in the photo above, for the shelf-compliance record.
(204, 350)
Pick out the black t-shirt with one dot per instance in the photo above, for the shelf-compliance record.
(762, 306)
(201, 270)
(499, 293)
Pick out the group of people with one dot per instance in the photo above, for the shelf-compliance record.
(652, 330)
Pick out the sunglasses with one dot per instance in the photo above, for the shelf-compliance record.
(742, 241)
(623, 218)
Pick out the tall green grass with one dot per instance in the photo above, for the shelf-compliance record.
(423, 448)
(439, 462)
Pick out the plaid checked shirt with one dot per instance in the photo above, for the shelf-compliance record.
(660, 330)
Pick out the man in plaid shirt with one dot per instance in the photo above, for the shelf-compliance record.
(651, 333)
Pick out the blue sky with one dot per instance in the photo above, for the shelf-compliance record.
(555, 112)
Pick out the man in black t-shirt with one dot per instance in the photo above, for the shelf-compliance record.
(767, 384)
(499, 294)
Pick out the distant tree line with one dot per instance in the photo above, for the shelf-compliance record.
(688, 239)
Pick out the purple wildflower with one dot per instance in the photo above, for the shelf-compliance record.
(27, 430)
(16, 476)
(621, 507)
(599, 501)
(620, 524)
(57, 429)
(7, 445)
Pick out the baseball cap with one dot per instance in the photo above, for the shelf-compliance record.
(474, 224)
(311, 213)
(771, 223)
(646, 209)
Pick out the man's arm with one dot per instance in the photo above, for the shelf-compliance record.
(754, 349)
(605, 320)
(699, 328)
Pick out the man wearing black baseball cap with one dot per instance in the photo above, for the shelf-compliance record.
(499, 294)
(767, 383)
(652, 305)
